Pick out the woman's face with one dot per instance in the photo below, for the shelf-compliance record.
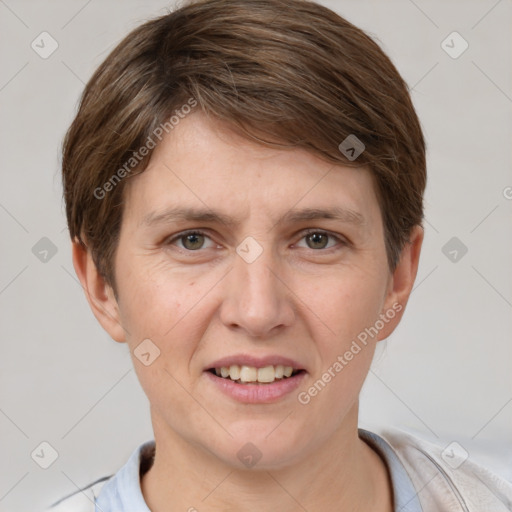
(236, 256)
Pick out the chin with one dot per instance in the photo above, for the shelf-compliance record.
(257, 446)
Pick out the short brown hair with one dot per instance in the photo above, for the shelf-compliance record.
(292, 70)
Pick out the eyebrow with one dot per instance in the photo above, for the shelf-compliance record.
(293, 216)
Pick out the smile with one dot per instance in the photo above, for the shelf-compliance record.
(251, 374)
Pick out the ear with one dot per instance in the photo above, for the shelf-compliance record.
(401, 282)
(98, 292)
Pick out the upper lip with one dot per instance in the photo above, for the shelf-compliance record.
(258, 362)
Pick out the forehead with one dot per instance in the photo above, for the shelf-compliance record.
(204, 165)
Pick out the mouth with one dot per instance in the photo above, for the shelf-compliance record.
(255, 379)
(242, 374)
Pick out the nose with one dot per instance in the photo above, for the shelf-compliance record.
(257, 299)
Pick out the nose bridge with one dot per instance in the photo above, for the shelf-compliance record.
(258, 280)
(257, 300)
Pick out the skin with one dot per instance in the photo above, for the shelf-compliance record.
(297, 299)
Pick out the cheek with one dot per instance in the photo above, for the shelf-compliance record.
(169, 313)
(154, 303)
(173, 311)
(346, 303)
(345, 350)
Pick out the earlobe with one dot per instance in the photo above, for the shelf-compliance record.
(98, 292)
(402, 280)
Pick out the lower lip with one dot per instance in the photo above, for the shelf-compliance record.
(257, 393)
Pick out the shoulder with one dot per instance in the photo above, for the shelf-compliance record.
(447, 476)
(82, 500)
(116, 492)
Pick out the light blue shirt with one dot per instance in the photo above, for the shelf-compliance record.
(423, 478)
(404, 493)
(122, 493)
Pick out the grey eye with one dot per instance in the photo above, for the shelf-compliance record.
(317, 240)
(193, 241)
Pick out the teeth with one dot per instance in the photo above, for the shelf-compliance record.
(252, 374)
(234, 372)
(266, 374)
(248, 374)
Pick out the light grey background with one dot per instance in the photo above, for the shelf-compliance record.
(445, 373)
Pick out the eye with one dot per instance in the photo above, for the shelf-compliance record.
(316, 239)
(190, 240)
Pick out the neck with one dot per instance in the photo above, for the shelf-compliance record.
(343, 474)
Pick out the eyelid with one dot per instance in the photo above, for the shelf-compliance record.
(305, 232)
(340, 239)
(178, 236)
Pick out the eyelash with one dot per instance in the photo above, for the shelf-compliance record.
(183, 234)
